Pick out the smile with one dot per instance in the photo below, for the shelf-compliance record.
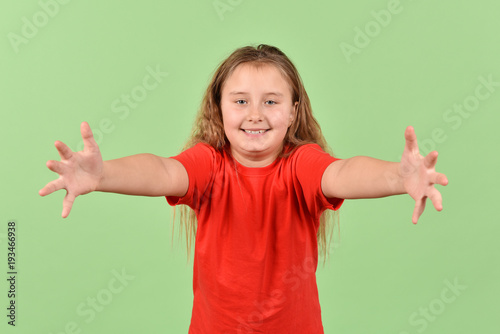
(255, 132)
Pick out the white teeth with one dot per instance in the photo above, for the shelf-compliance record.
(255, 132)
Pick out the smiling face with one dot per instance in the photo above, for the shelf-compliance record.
(257, 110)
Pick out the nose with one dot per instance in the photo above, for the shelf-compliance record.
(255, 113)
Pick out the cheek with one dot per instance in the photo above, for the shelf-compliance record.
(231, 124)
(230, 121)
(226, 116)
(280, 120)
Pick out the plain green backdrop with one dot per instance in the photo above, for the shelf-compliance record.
(371, 68)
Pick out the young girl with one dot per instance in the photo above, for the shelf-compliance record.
(257, 175)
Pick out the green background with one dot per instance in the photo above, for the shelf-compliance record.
(382, 274)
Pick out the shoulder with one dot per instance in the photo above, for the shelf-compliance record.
(310, 147)
(308, 151)
(310, 159)
(198, 156)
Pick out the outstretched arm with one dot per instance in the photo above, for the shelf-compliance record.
(83, 172)
(365, 177)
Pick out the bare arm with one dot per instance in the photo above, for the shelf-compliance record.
(364, 177)
(83, 172)
(144, 175)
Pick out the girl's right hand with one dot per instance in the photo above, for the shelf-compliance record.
(79, 172)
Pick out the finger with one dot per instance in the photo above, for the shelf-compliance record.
(439, 178)
(63, 149)
(436, 198)
(430, 159)
(411, 140)
(419, 208)
(89, 143)
(55, 166)
(51, 187)
(68, 201)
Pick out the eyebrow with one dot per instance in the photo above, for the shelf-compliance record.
(268, 93)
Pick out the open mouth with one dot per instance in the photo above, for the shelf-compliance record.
(255, 132)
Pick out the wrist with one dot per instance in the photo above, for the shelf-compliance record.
(395, 179)
(100, 186)
(400, 186)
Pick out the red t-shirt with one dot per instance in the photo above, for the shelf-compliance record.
(256, 248)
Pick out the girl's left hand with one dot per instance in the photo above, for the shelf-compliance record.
(419, 175)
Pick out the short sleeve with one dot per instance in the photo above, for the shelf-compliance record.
(311, 163)
(199, 163)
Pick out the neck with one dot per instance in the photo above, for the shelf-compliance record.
(255, 160)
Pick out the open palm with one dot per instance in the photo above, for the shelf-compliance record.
(79, 172)
(419, 175)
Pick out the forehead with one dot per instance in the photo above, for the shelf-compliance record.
(250, 77)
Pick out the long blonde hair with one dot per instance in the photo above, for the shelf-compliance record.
(208, 127)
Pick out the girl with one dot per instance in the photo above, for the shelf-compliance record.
(257, 175)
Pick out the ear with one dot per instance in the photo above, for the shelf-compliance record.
(293, 114)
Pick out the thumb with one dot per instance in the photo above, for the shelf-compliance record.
(89, 143)
(67, 204)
